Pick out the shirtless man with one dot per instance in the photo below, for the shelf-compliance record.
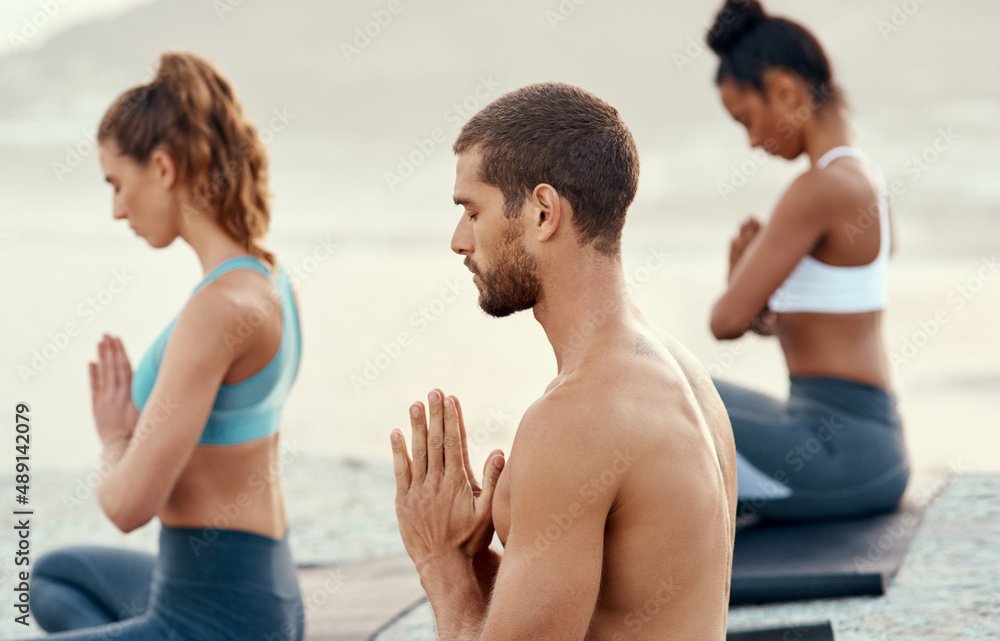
(617, 507)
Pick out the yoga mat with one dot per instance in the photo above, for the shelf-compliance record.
(811, 632)
(821, 560)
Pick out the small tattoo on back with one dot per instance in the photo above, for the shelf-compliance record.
(644, 347)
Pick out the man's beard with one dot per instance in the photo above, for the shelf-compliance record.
(512, 285)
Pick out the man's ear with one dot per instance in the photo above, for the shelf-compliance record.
(548, 211)
(164, 168)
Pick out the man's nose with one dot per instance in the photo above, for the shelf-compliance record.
(461, 240)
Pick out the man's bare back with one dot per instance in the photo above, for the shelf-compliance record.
(660, 450)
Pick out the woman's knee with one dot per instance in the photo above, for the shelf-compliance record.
(54, 563)
(47, 576)
(55, 571)
(63, 563)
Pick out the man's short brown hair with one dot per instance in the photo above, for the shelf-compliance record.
(562, 135)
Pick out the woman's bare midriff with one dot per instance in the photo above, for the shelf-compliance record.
(233, 487)
(845, 346)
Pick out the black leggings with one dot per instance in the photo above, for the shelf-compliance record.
(834, 449)
(203, 584)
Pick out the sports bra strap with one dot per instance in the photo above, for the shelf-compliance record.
(837, 152)
(883, 196)
(236, 262)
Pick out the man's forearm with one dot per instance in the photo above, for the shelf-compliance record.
(454, 593)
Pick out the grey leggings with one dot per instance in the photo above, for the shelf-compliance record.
(834, 449)
(203, 584)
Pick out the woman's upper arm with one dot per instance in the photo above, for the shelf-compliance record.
(195, 362)
(799, 222)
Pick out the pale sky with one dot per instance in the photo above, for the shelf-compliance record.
(52, 16)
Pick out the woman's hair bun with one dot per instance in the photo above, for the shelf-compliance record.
(734, 20)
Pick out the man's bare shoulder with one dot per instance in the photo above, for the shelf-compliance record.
(564, 419)
(620, 400)
(559, 446)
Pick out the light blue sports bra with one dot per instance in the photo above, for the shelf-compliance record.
(250, 409)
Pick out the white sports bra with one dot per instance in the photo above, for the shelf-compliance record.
(814, 286)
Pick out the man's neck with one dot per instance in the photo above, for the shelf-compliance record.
(577, 304)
